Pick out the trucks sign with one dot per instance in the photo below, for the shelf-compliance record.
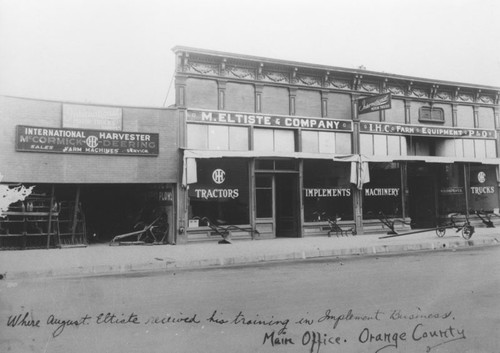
(80, 141)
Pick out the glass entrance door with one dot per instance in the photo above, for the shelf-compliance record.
(277, 203)
(423, 198)
(287, 200)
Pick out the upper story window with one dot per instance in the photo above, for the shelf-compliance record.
(431, 115)
(278, 140)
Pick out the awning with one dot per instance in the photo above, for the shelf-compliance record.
(259, 154)
(189, 173)
(188, 153)
(359, 169)
(446, 160)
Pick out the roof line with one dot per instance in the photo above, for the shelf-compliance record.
(222, 54)
(86, 103)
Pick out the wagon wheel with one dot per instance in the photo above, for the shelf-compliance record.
(467, 231)
(440, 231)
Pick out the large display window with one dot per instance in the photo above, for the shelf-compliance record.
(383, 193)
(451, 191)
(483, 191)
(221, 193)
(327, 191)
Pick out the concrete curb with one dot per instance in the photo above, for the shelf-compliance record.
(172, 265)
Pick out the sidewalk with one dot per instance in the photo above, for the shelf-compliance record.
(105, 259)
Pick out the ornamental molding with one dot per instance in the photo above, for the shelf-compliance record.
(338, 83)
(419, 93)
(239, 72)
(204, 69)
(465, 97)
(399, 91)
(443, 95)
(486, 99)
(323, 79)
(368, 87)
(309, 80)
(275, 76)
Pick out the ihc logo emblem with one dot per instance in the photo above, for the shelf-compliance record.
(481, 177)
(219, 176)
(91, 141)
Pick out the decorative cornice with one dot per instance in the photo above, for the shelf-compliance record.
(419, 92)
(202, 68)
(237, 69)
(309, 80)
(434, 89)
(369, 87)
(486, 99)
(356, 82)
(465, 97)
(239, 72)
(278, 77)
(443, 95)
(395, 90)
(338, 83)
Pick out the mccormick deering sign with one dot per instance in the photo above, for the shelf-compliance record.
(372, 104)
(79, 141)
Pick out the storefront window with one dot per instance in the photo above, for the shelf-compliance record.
(451, 198)
(483, 189)
(383, 192)
(222, 191)
(327, 191)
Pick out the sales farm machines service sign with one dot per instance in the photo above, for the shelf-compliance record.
(82, 141)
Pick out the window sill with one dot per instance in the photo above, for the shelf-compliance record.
(431, 121)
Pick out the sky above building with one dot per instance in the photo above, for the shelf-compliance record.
(119, 51)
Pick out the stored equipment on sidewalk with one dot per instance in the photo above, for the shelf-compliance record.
(486, 218)
(154, 233)
(219, 228)
(390, 222)
(334, 227)
(463, 226)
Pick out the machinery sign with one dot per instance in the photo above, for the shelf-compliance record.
(79, 141)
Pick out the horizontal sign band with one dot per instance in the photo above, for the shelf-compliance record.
(268, 120)
(79, 141)
(421, 130)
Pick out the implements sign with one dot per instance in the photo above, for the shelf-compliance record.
(268, 120)
(375, 103)
(79, 141)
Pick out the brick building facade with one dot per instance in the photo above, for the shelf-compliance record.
(274, 146)
(266, 148)
(113, 162)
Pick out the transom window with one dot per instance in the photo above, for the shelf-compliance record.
(431, 114)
